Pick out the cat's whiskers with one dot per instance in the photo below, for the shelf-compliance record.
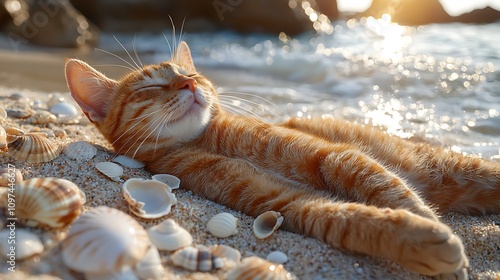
(133, 68)
(135, 53)
(151, 124)
(164, 123)
(115, 65)
(238, 109)
(125, 49)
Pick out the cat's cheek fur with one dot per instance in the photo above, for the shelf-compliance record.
(190, 126)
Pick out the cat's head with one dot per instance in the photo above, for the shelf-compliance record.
(149, 108)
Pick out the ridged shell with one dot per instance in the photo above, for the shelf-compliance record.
(169, 236)
(196, 259)
(226, 252)
(277, 257)
(3, 138)
(27, 244)
(150, 266)
(128, 162)
(172, 181)
(80, 150)
(10, 176)
(104, 240)
(42, 117)
(266, 223)
(48, 202)
(63, 108)
(254, 268)
(148, 199)
(111, 170)
(223, 225)
(33, 148)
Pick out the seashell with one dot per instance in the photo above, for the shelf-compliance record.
(254, 268)
(226, 252)
(60, 133)
(277, 257)
(126, 273)
(196, 259)
(172, 181)
(48, 202)
(33, 148)
(266, 223)
(19, 113)
(3, 138)
(26, 244)
(104, 240)
(3, 113)
(169, 236)
(223, 225)
(128, 162)
(63, 108)
(42, 117)
(10, 176)
(148, 199)
(80, 150)
(150, 266)
(14, 131)
(111, 170)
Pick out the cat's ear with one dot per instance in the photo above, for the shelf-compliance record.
(90, 89)
(182, 56)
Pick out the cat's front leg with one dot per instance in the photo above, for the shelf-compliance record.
(358, 177)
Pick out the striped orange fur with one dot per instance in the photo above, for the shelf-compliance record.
(352, 186)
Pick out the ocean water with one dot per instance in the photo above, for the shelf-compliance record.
(438, 83)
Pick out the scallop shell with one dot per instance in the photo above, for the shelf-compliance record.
(266, 223)
(254, 268)
(33, 148)
(10, 176)
(63, 108)
(196, 259)
(48, 202)
(111, 170)
(172, 181)
(148, 199)
(128, 162)
(277, 257)
(223, 225)
(104, 240)
(80, 150)
(226, 252)
(150, 266)
(42, 117)
(27, 244)
(169, 236)
(3, 138)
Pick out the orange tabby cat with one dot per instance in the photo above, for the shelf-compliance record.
(353, 187)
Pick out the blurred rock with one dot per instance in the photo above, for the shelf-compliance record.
(52, 23)
(410, 12)
(272, 16)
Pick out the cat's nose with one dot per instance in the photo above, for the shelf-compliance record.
(187, 83)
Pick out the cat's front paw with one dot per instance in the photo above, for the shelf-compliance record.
(432, 249)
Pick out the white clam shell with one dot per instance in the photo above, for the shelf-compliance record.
(223, 225)
(33, 148)
(172, 181)
(148, 199)
(254, 268)
(226, 252)
(3, 138)
(80, 150)
(196, 259)
(10, 176)
(169, 236)
(26, 244)
(266, 223)
(150, 266)
(42, 117)
(48, 202)
(104, 240)
(63, 108)
(111, 170)
(128, 162)
(277, 257)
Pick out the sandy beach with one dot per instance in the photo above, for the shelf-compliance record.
(308, 258)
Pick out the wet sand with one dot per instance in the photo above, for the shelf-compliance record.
(33, 74)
